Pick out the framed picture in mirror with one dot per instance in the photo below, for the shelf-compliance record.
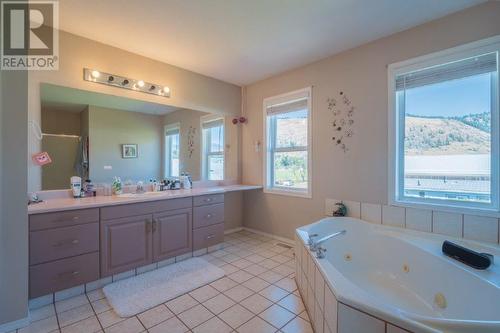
(129, 150)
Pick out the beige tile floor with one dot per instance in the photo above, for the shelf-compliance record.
(258, 294)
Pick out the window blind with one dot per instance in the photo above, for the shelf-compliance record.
(172, 131)
(213, 123)
(483, 64)
(297, 105)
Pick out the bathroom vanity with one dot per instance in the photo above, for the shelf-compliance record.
(98, 137)
(77, 241)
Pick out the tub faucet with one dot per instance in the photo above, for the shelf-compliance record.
(310, 240)
(314, 245)
(320, 252)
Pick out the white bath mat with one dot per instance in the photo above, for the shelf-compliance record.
(139, 293)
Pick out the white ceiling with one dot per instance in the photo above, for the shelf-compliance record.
(243, 41)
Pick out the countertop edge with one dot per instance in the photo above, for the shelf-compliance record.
(62, 204)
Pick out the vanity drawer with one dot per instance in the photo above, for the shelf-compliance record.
(128, 210)
(208, 199)
(208, 215)
(53, 244)
(63, 274)
(63, 219)
(208, 236)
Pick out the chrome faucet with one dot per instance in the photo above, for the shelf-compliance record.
(314, 245)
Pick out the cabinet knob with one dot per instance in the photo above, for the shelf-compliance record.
(208, 216)
(208, 199)
(210, 237)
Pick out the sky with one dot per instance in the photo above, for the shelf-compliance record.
(451, 98)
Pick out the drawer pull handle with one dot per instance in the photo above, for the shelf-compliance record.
(62, 220)
(67, 275)
(209, 237)
(208, 216)
(72, 242)
(208, 199)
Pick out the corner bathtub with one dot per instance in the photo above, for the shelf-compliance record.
(396, 277)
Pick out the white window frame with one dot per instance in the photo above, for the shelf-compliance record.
(204, 147)
(268, 149)
(396, 132)
(167, 160)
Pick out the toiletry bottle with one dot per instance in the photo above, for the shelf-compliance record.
(76, 186)
(185, 181)
(88, 188)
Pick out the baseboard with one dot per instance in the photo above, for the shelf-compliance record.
(281, 239)
(233, 230)
(14, 325)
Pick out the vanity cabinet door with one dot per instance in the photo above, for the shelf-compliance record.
(125, 243)
(172, 233)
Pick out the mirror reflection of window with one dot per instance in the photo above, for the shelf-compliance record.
(213, 149)
(172, 147)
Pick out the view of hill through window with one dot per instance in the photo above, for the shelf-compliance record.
(447, 142)
(290, 167)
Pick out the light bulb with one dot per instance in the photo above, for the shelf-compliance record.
(140, 83)
(166, 90)
(95, 74)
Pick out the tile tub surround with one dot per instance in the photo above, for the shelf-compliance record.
(327, 314)
(57, 203)
(471, 227)
(258, 294)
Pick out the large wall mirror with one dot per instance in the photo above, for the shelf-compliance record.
(98, 136)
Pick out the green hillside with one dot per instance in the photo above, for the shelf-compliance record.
(454, 135)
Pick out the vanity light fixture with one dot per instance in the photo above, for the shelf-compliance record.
(96, 76)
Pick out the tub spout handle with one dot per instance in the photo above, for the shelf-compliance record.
(320, 252)
(310, 241)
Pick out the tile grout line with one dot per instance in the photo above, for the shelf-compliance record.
(251, 247)
(93, 310)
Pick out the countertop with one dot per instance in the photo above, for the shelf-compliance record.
(63, 204)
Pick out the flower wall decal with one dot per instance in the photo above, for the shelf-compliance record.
(190, 139)
(343, 119)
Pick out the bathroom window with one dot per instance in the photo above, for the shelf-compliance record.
(287, 165)
(444, 129)
(172, 148)
(213, 149)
